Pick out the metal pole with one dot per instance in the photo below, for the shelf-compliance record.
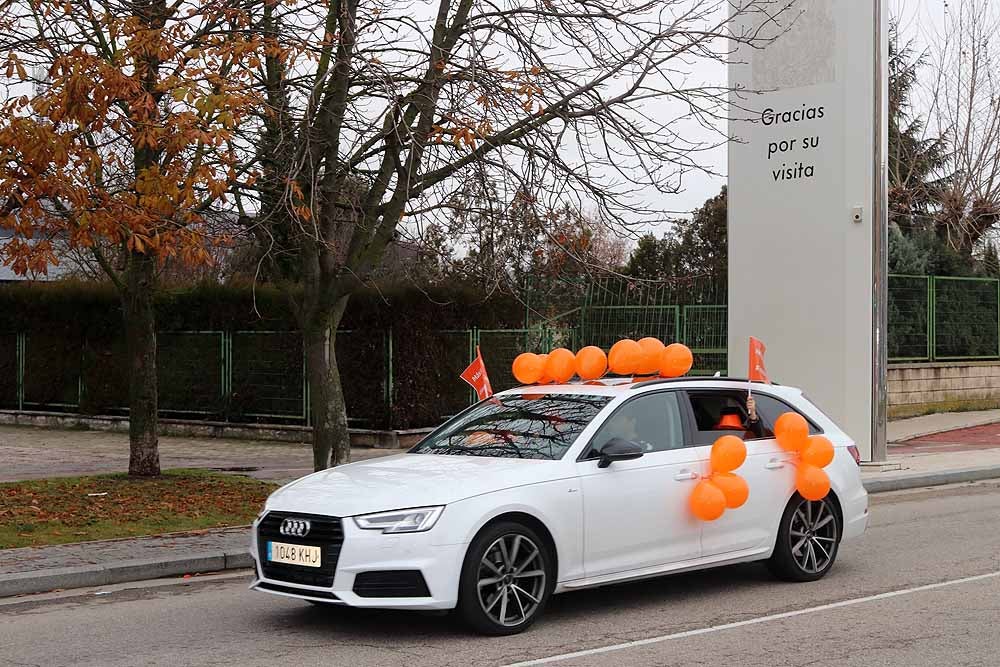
(388, 365)
(21, 344)
(79, 375)
(880, 242)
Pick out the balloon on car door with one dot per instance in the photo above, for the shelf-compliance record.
(815, 453)
(792, 431)
(707, 501)
(728, 454)
(734, 488)
(818, 451)
(811, 482)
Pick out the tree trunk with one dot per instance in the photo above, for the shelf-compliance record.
(331, 440)
(140, 334)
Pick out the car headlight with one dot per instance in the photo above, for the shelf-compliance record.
(414, 520)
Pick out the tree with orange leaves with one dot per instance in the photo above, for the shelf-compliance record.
(117, 136)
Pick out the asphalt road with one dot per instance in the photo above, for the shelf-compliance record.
(920, 588)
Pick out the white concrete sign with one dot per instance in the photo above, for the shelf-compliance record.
(806, 211)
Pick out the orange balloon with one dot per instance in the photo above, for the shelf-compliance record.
(544, 377)
(624, 357)
(728, 454)
(591, 363)
(649, 361)
(734, 488)
(811, 482)
(792, 431)
(707, 501)
(561, 365)
(818, 451)
(528, 368)
(675, 360)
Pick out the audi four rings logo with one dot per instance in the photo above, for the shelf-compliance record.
(294, 527)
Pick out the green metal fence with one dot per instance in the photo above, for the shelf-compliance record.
(259, 376)
(705, 331)
(937, 318)
(910, 315)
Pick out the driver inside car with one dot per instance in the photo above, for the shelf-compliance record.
(628, 427)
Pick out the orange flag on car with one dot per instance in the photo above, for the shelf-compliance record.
(476, 376)
(757, 372)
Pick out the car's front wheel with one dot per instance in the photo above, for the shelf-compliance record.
(506, 579)
(808, 540)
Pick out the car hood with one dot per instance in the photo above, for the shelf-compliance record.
(406, 480)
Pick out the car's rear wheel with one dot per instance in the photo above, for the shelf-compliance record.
(808, 540)
(506, 579)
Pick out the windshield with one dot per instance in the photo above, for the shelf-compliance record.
(516, 426)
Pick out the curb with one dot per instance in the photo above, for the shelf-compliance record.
(919, 480)
(117, 572)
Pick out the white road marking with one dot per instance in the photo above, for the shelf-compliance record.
(751, 621)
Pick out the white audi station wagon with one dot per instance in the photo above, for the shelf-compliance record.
(546, 489)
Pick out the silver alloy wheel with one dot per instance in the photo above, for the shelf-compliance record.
(813, 535)
(511, 579)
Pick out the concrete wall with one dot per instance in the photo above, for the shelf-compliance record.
(916, 389)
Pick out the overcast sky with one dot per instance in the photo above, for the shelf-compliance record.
(919, 20)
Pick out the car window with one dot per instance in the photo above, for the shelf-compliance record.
(525, 426)
(770, 408)
(724, 412)
(653, 421)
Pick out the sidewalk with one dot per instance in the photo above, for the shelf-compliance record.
(909, 469)
(31, 452)
(924, 453)
(945, 448)
(916, 427)
(38, 569)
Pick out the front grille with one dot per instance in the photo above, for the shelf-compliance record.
(391, 584)
(325, 532)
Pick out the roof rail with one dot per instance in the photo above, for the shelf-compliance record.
(695, 378)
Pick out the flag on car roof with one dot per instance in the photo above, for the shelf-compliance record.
(476, 376)
(757, 372)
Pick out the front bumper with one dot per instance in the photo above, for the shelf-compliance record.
(368, 551)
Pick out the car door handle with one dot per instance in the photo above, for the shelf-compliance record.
(685, 475)
(774, 464)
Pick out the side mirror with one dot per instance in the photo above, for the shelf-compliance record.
(618, 449)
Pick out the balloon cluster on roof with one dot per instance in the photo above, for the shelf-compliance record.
(648, 356)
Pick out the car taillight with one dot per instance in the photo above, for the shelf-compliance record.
(853, 449)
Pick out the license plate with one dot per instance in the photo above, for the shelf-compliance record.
(294, 554)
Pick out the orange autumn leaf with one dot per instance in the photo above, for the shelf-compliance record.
(92, 157)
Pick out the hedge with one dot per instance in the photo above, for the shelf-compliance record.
(74, 331)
